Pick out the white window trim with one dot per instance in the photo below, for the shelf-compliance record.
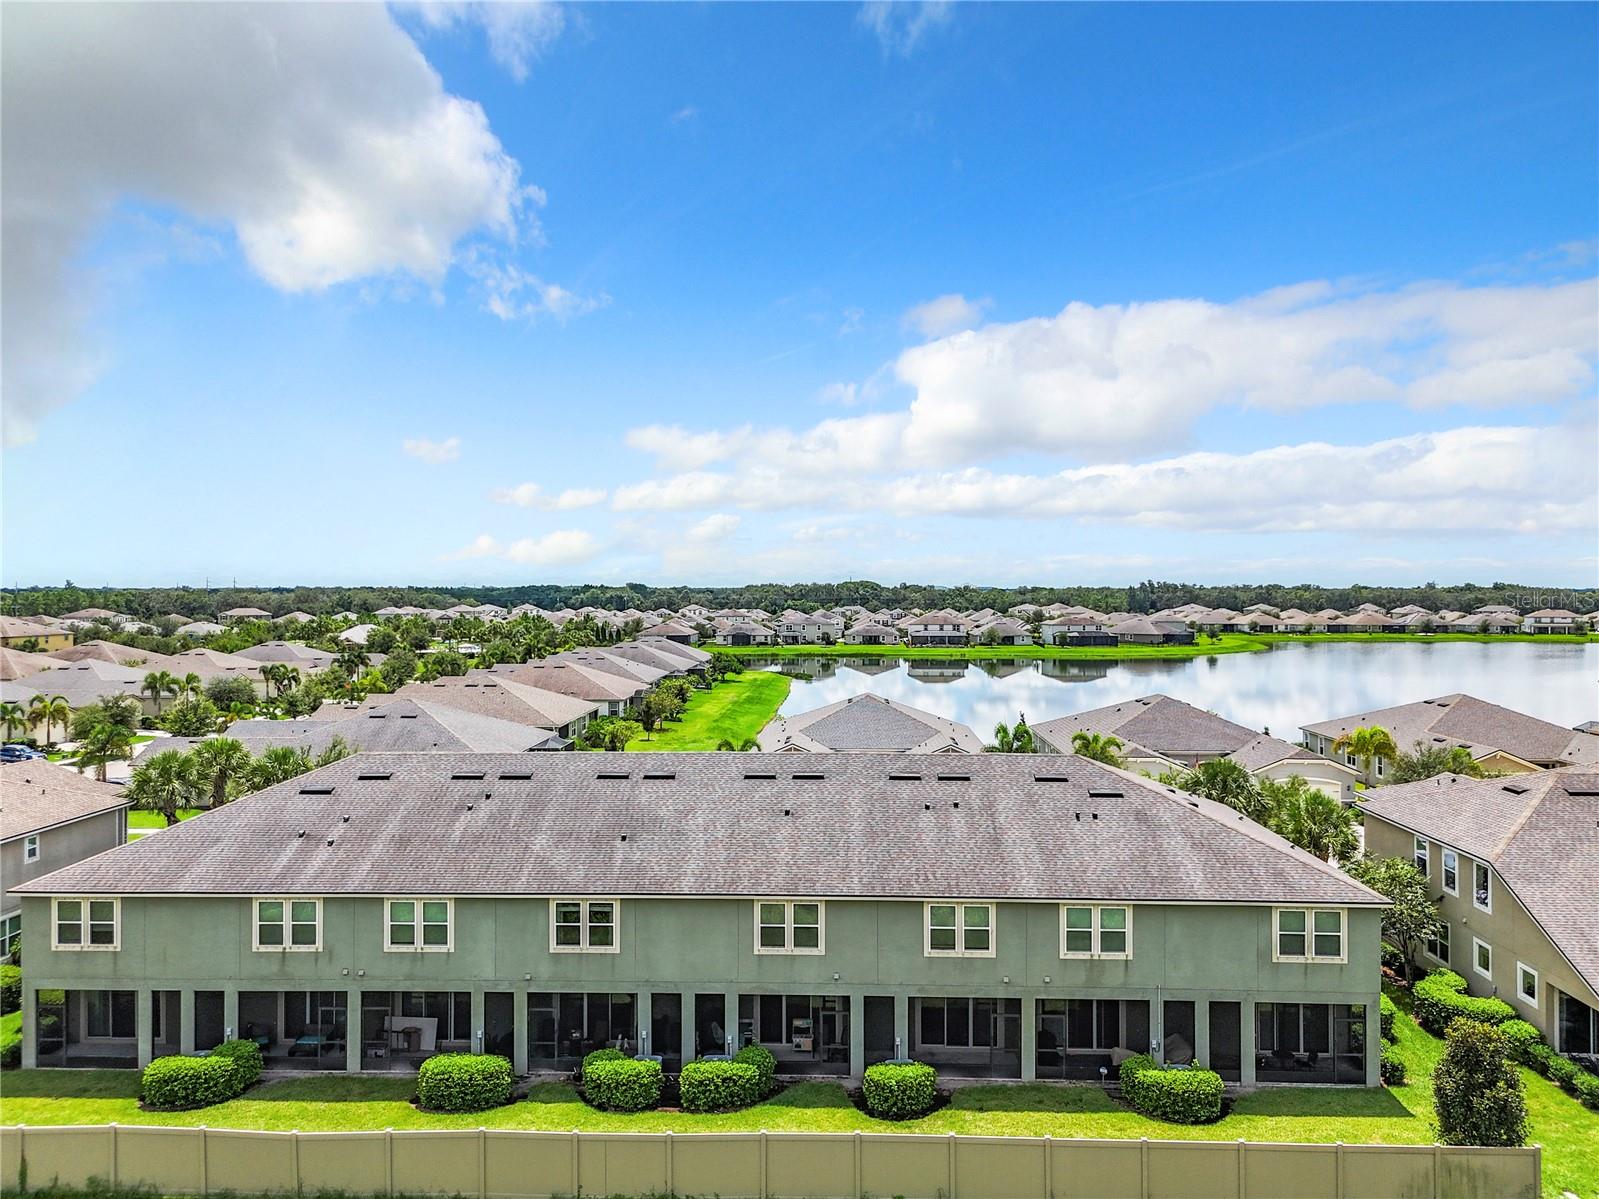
(788, 948)
(1448, 938)
(419, 900)
(1537, 987)
(1095, 930)
(960, 906)
(116, 923)
(616, 927)
(1444, 870)
(1421, 852)
(1482, 907)
(288, 931)
(1310, 954)
(30, 848)
(1476, 944)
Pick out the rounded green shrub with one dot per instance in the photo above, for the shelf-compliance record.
(1441, 997)
(763, 1061)
(1387, 1010)
(601, 1055)
(1520, 1037)
(246, 1059)
(623, 1084)
(714, 1086)
(463, 1082)
(10, 989)
(1477, 1091)
(178, 1083)
(11, 1050)
(1181, 1095)
(1539, 1056)
(900, 1090)
(1563, 1072)
(1391, 1067)
(1587, 1090)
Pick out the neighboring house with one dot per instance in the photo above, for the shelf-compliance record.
(50, 817)
(304, 658)
(1500, 740)
(41, 638)
(937, 628)
(214, 664)
(628, 668)
(356, 634)
(614, 694)
(115, 653)
(19, 664)
(500, 697)
(869, 632)
(1062, 629)
(1515, 866)
(1140, 630)
(298, 617)
(868, 724)
(1023, 917)
(744, 632)
(661, 655)
(199, 628)
(797, 628)
(83, 683)
(246, 614)
(1551, 620)
(671, 630)
(1003, 631)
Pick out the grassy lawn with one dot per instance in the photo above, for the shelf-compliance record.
(1402, 1115)
(1225, 643)
(736, 708)
(154, 820)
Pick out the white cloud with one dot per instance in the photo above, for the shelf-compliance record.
(435, 452)
(512, 293)
(687, 113)
(518, 31)
(563, 547)
(481, 546)
(531, 495)
(718, 526)
(944, 315)
(900, 25)
(318, 133)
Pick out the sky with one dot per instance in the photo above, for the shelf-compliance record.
(713, 294)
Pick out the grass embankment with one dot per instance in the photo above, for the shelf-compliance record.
(736, 708)
(1225, 643)
(1568, 1132)
(154, 820)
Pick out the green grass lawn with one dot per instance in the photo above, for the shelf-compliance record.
(154, 820)
(736, 708)
(1568, 1132)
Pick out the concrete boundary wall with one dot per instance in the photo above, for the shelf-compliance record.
(505, 1164)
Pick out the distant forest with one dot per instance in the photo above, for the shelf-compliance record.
(1149, 596)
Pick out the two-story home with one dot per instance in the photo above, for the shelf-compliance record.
(40, 638)
(938, 628)
(868, 723)
(1514, 863)
(50, 817)
(798, 628)
(1022, 916)
(1551, 620)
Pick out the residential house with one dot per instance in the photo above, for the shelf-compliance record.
(115, 653)
(304, 658)
(1023, 917)
(744, 632)
(613, 693)
(1003, 631)
(1500, 740)
(356, 634)
(1513, 863)
(799, 628)
(1552, 620)
(50, 817)
(40, 638)
(1487, 622)
(501, 697)
(868, 724)
(870, 632)
(1140, 630)
(233, 614)
(298, 617)
(671, 630)
(660, 655)
(214, 664)
(19, 664)
(82, 683)
(942, 627)
(199, 628)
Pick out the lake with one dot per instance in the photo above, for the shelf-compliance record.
(1277, 689)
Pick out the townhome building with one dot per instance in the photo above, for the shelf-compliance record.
(798, 628)
(40, 638)
(938, 628)
(1552, 620)
(1514, 864)
(1023, 916)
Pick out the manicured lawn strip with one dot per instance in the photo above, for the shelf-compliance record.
(1226, 643)
(738, 707)
(154, 820)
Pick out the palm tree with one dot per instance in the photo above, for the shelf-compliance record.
(14, 717)
(166, 784)
(158, 683)
(1316, 822)
(237, 711)
(219, 765)
(277, 765)
(191, 684)
(49, 710)
(352, 660)
(1018, 740)
(743, 747)
(1227, 782)
(288, 677)
(1097, 747)
(1367, 744)
(269, 674)
(104, 743)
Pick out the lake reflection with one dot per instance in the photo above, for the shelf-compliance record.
(1279, 689)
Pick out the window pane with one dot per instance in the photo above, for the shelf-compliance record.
(568, 934)
(977, 938)
(1112, 917)
(942, 938)
(1329, 945)
(602, 935)
(941, 916)
(773, 913)
(600, 913)
(402, 909)
(435, 934)
(69, 933)
(807, 913)
(1529, 984)
(102, 934)
(269, 910)
(436, 911)
(69, 909)
(976, 917)
(568, 913)
(1484, 958)
(807, 936)
(1079, 917)
(1329, 922)
(270, 934)
(932, 1021)
(303, 934)
(1079, 941)
(958, 1022)
(1291, 945)
(303, 911)
(402, 934)
(1112, 941)
(773, 936)
(1291, 920)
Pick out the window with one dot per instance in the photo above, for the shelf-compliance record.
(1527, 985)
(30, 848)
(1482, 958)
(1438, 945)
(1309, 935)
(1481, 894)
(1378, 761)
(1096, 932)
(960, 930)
(86, 924)
(788, 926)
(109, 1015)
(418, 926)
(1451, 872)
(283, 925)
(1421, 856)
(10, 930)
(583, 926)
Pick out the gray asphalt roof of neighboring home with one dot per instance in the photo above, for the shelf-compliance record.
(1027, 828)
(213, 663)
(627, 668)
(291, 652)
(19, 664)
(199, 628)
(868, 723)
(691, 653)
(654, 657)
(1264, 750)
(498, 696)
(1460, 719)
(79, 682)
(1156, 722)
(114, 653)
(37, 795)
(1540, 832)
(573, 678)
(15, 626)
(399, 726)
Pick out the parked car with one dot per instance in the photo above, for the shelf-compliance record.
(18, 753)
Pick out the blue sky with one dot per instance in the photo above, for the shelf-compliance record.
(727, 293)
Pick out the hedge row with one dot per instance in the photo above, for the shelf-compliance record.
(714, 1086)
(463, 1082)
(623, 1084)
(179, 1083)
(900, 1090)
(1441, 996)
(1564, 1073)
(10, 989)
(764, 1062)
(1391, 1067)
(1387, 1009)
(1181, 1095)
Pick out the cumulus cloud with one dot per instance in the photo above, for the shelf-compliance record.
(317, 133)
(481, 546)
(518, 31)
(514, 294)
(531, 495)
(944, 315)
(718, 526)
(435, 452)
(563, 547)
(900, 25)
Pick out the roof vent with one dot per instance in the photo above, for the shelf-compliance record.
(466, 777)
(613, 774)
(1106, 795)
(660, 775)
(759, 776)
(515, 777)
(374, 778)
(299, 834)
(624, 837)
(330, 840)
(808, 776)
(316, 790)
(954, 778)
(1050, 778)
(345, 819)
(904, 778)
(407, 715)
(1515, 788)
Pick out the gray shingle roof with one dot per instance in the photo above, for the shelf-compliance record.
(1157, 722)
(866, 722)
(1027, 827)
(37, 795)
(399, 725)
(1475, 723)
(1540, 831)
